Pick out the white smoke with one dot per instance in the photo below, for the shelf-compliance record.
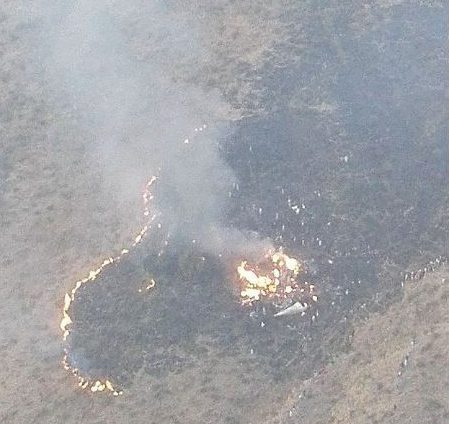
(116, 66)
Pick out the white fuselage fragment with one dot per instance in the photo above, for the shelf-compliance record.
(296, 308)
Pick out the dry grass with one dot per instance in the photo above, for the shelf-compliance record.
(369, 385)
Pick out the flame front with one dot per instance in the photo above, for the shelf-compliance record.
(66, 321)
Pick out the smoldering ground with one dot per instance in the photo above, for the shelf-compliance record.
(142, 122)
(339, 140)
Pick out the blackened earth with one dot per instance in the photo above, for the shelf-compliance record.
(367, 177)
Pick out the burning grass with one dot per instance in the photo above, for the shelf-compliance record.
(100, 385)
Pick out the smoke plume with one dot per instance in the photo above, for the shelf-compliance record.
(118, 69)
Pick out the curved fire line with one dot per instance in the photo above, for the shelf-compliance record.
(277, 281)
(100, 385)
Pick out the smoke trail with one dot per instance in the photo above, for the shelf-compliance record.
(137, 117)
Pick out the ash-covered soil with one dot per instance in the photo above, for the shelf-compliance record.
(338, 108)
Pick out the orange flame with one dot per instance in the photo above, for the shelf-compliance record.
(274, 279)
(66, 321)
